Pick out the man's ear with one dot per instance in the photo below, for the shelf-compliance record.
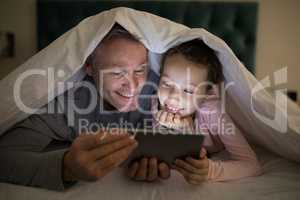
(88, 68)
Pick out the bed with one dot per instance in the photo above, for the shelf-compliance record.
(280, 180)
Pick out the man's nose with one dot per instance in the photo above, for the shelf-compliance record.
(131, 82)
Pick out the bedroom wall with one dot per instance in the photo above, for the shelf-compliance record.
(18, 17)
(278, 42)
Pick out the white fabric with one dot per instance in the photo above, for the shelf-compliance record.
(69, 52)
(280, 181)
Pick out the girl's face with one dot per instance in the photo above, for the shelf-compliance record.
(182, 85)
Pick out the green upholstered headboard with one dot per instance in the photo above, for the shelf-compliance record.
(233, 22)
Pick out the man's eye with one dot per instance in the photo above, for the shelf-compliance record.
(139, 72)
(117, 74)
(188, 91)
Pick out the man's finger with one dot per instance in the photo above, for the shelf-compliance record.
(104, 171)
(164, 170)
(153, 169)
(112, 137)
(132, 170)
(109, 148)
(142, 171)
(90, 141)
(116, 157)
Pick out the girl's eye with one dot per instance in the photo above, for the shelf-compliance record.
(188, 91)
(166, 84)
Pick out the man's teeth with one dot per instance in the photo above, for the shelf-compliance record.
(128, 95)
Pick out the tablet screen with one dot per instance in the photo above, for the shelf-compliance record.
(166, 145)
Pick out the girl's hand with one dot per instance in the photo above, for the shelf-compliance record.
(175, 121)
(194, 171)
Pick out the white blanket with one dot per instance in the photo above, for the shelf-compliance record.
(280, 181)
(263, 117)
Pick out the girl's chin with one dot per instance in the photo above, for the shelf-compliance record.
(169, 111)
(184, 114)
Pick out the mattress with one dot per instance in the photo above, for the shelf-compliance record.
(280, 180)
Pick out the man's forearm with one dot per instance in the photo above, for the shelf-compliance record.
(41, 169)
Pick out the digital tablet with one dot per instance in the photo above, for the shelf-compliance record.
(166, 145)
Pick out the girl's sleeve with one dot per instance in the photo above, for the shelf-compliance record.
(243, 161)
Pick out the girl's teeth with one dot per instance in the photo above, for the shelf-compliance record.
(173, 109)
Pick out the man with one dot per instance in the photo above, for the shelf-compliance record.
(51, 151)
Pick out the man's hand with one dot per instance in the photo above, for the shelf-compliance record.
(193, 170)
(148, 169)
(175, 121)
(92, 156)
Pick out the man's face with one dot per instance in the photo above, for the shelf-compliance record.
(121, 68)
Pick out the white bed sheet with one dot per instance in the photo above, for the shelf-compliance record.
(281, 180)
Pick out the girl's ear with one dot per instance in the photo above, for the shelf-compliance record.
(213, 93)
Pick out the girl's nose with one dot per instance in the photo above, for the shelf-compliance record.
(174, 95)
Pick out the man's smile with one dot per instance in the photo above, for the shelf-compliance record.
(126, 95)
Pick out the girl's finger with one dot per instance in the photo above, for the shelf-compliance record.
(181, 171)
(177, 120)
(184, 165)
(192, 169)
(195, 178)
(203, 153)
(190, 176)
(170, 117)
(200, 164)
(163, 117)
(186, 122)
(158, 114)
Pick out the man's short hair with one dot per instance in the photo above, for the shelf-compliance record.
(116, 32)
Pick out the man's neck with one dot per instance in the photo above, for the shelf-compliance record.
(107, 106)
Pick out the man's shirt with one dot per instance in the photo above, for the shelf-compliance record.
(32, 151)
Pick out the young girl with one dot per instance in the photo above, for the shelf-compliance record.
(189, 98)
